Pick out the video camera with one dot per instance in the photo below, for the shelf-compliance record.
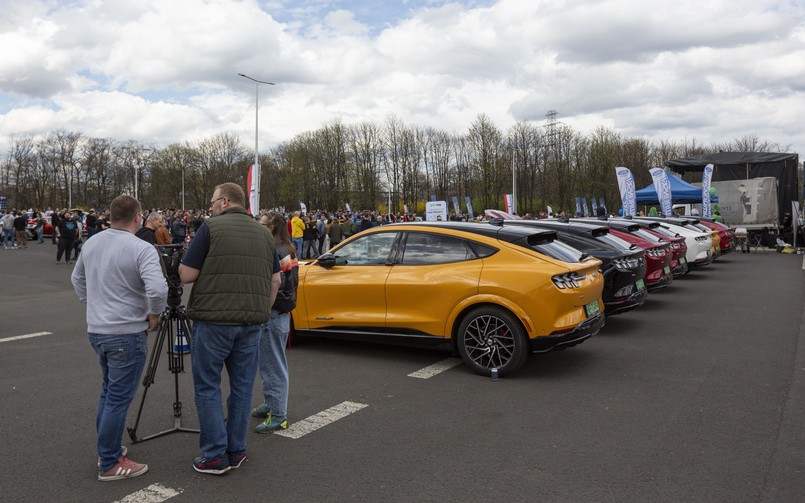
(171, 256)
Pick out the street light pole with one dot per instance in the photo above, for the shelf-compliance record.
(256, 173)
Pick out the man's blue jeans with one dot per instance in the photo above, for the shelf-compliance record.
(298, 242)
(10, 238)
(122, 359)
(273, 365)
(213, 347)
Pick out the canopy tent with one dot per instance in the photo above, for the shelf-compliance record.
(681, 192)
(745, 165)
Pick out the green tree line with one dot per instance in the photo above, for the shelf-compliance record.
(368, 165)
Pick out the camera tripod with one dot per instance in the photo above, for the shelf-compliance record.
(172, 322)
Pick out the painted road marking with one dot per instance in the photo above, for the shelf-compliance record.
(323, 418)
(155, 493)
(27, 336)
(436, 368)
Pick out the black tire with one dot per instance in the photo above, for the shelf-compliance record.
(491, 337)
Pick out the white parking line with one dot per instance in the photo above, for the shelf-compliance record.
(323, 418)
(155, 493)
(27, 336)
(436, 368)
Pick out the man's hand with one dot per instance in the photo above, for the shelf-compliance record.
(153, 321)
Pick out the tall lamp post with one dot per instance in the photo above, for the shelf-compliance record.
(256, 173)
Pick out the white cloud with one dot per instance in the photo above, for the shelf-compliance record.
(162, 72)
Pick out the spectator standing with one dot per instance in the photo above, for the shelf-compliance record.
(231, 261)
(20, 223)
(310, 238)
(274, 334)
(333, 229)
(163, 237)
(55, 218)
(179, 229)
(320, 228)
(40, 227)
(348, 226)
(9, 241)
(127, 291)
(92, 223)
(67, 235)
(297, 232)
(148, 231)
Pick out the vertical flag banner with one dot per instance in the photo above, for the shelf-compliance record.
(594, 206)
(507, 203)
(663, 188)
(707, 175)
(550, 211)
(302, 207)
(455, 205)
(578, 205)
(585, 207)
(253, 209)
(346, 205)
(602, 204)
(626, 187)
(405, 208)
(469, 206)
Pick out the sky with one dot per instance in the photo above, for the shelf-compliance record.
(162, 72)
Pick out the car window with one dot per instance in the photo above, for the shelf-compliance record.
(422, 248)
(615, 241)
(560, 251)
(371, 249)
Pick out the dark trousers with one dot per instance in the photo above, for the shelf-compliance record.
(321, 244)
(65, 246)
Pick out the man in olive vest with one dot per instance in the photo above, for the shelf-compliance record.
(231, 261)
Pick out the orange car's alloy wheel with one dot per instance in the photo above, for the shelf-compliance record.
(491, 338)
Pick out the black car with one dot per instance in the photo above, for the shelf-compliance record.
(623, 264)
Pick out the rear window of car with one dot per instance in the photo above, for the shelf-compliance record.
(560, 251)
(651, 238)
(615, 241)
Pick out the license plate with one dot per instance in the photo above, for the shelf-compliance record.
(592, 309)
(666, 270)
(682, 260)
(640, 284)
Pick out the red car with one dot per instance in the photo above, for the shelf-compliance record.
(47, 230)
(657, 255)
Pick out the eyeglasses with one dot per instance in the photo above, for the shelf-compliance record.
(216, 200)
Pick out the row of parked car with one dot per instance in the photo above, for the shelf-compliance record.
(495, 292)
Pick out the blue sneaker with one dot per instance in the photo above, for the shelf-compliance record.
(261, 411)
(213, 466)
(272, 423)
(236, 459)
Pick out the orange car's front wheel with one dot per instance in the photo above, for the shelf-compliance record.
(490, 337)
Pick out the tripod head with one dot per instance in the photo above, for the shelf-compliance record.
(171, 256)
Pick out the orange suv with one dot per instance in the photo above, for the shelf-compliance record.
(492, 293)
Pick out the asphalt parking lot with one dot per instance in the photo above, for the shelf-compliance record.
(699, 395)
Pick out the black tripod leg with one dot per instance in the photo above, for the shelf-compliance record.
(153, 362)
(169, 328)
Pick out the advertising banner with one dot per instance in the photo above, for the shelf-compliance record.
(455, 205)
(469, 206)
(663, 188)
(507, 203)
(436, 211)
(253, 209)
(707, 175)
(584, 206)
(627, 190)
